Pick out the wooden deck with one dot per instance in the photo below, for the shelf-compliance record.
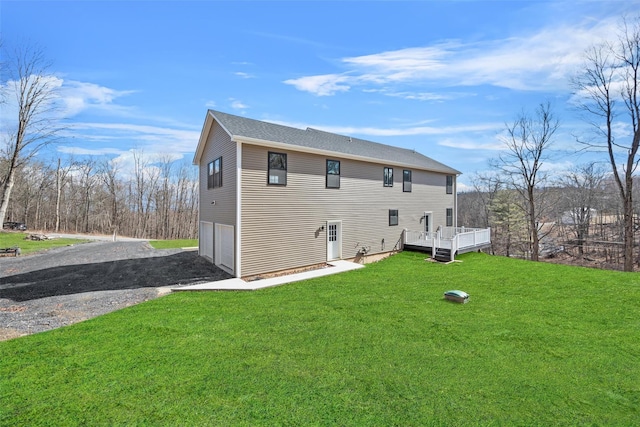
(448, 240)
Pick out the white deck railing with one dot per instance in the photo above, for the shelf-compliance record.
(453, 238)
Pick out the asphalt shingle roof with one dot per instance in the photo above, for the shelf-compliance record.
(239, 126)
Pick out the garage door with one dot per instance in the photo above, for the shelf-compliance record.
(206, 239)
(224, 240)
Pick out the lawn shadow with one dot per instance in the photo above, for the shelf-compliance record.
(180, 268)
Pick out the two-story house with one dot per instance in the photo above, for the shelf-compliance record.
(275, 198)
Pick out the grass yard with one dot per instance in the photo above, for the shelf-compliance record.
(11, 239)
(174, 244)
(538, 344)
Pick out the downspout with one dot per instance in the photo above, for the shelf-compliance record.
(200, 198)
(455, 202)
(454, 242)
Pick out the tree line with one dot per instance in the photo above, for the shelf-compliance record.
(580, 217)
(158, 199)
(588, 207)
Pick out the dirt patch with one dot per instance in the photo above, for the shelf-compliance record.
(66, 285)
(288, 272)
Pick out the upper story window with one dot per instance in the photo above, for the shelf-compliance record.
(393, 217)
(388, 177)
(406, 181)
(333, 173)
(277, 168)
(214, 173)
(449, 184)
(449, 217)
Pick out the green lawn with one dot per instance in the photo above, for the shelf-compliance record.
(174, 244)
(9, 240)
(538, 344)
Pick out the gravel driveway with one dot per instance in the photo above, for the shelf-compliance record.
(66, 285)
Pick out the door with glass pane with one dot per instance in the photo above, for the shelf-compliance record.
(334, 240)
(427, 222)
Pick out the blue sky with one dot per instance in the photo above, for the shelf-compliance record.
(438, 77)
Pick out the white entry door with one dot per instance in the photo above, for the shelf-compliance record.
(427, 222)
(334, 240)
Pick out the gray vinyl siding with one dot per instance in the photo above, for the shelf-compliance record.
(281, 225)
(224, 210)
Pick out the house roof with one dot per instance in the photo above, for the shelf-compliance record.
(242, 129)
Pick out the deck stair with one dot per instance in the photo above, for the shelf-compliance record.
(442, 255)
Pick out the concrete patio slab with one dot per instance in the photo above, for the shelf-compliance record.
(240, 285)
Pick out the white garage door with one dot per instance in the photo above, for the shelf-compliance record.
(225, 246)
(206, 239)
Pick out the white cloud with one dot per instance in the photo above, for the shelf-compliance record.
(559, 167)
(151, 138)
(466, 143)
(323, 85)
(139, 129)
(49, 86)
(539, 61)
(429, 96)
(80, 96)
(403, 64)
(244, 75)
(71, 97)
(622, 130)
(80, 151)
(397, 131)
(210, 104)
(126, 160)
(148, 159)
(463, 188)
(238, 105)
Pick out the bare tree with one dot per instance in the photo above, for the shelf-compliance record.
(163, 196)
(43, 177)
(187, 202)
(607, 90)
(34, 88)
(582, 189)
(32, 182)
(527, 142)
(87, 181)
(61, 176)
(109, 175)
